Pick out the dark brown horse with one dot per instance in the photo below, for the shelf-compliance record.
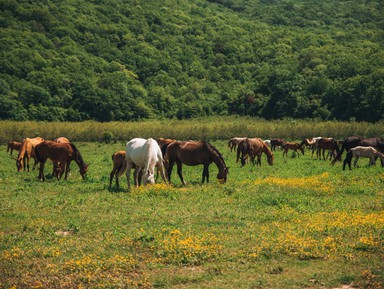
(13, 145)
(59, 152)
(253, 147)
(27, 151)
(58, 168)
(329, 144)
(193, 153)
(292, 146)
(276, 142)
(354, 141)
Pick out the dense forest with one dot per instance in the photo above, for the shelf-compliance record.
(119, 60)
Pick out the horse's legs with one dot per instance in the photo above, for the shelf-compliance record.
(111, 175)
(41, 171)
(128, 173)
(169, 165)
(355, 163)
(180, 171)
(205, 173)
(136, 174)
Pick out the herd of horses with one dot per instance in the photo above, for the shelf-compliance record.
(144, 155)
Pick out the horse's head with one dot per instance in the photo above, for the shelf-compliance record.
(222, 175)
(83, 170)
(270, 160)
(19, 164)
(149, 178)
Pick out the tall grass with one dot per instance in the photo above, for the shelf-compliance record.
(202, 129)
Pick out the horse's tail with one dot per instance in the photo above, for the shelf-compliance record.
(243, 150)
(239, 150)
(149, 150)
(122, 169)
(37, 154)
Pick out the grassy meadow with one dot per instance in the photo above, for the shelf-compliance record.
(300, 223)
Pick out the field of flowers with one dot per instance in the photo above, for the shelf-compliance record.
(300, 223)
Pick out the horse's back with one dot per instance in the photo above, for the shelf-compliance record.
(134, 151)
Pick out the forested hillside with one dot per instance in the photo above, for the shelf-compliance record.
(105, 60)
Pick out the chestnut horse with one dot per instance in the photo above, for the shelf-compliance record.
(58, 167)
(63, 153)
(234, 142)
(120, 167)
(27, 151)
(365, 152)
(13, 145)
(292, 146)
(253, 147)
(327, 144)
(193, 153)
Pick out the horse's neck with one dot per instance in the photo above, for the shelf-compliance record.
(267, 151)
(23, 149)
(219, 161)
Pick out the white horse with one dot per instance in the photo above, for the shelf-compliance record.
(146, 155)
(364, 152)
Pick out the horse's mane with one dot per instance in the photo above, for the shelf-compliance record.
(214, 150)
(77, 154)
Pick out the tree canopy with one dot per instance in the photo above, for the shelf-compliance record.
(118, 60)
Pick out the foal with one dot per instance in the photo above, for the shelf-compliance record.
(292, 146)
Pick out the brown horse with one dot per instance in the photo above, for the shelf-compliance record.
(13, 145)
(234, 142)
(58, 167)
(292, 146)
(276, 142)
(119, 168)
(253, 147)
(192, 153)
(324, 144)
(59, 152)
(27, 151)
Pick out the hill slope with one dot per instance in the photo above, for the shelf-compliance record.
(123, 60)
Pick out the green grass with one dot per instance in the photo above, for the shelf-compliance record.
(300, 223)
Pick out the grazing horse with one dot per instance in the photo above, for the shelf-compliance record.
(58, 167)
(276, 142)
(13, 145)
(292, 146)
(234, 142)
(365, 152)
(253, 147)
(327, 144)
(63, 153)
(120, 167)
(145, 154)
(192, 153)
(27, 151)
(354, 141)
